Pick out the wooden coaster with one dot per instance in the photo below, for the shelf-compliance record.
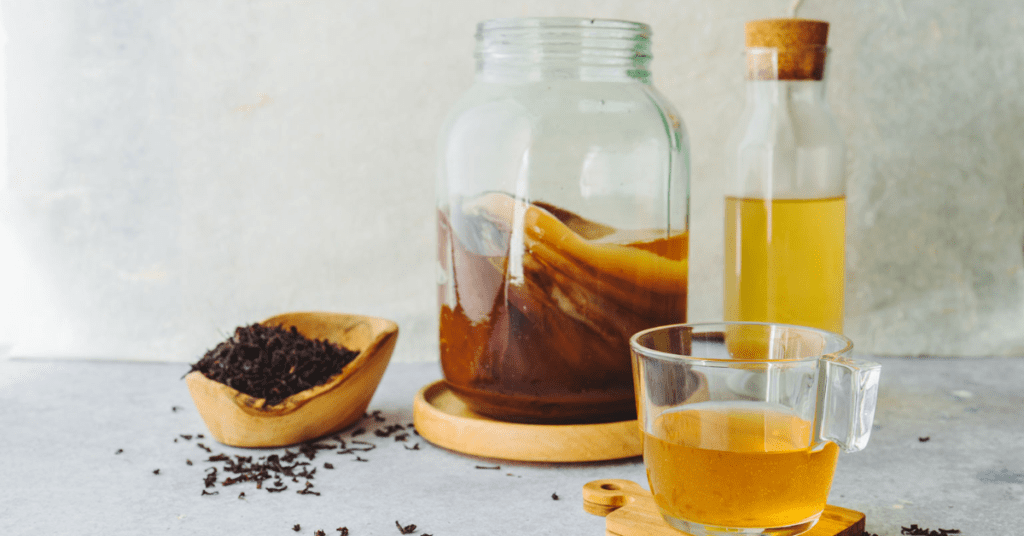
(444, 420)
(630, 510)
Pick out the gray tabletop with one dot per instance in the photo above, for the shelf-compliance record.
(82, 442)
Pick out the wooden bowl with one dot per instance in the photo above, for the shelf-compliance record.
(240, 420)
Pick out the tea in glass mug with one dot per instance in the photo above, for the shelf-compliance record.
(743, 422)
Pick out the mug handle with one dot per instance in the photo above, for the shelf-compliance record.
(847, 396)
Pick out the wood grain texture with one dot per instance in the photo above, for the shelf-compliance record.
(630, 510)
(240, 420)
(444, 420)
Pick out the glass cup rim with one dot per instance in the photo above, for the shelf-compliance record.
(646, 352)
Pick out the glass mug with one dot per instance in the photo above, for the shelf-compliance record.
(743, 421)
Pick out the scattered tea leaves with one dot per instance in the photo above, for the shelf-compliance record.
(494, 467)
(554, 496)
(342, 530)
(280, 465)
(156, 471)
(210, 492)
(297, 527)
(924, 439)
(119, 451)
(914, 530)
(408, 529)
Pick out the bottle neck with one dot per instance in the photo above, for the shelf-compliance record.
(527, 50)
(775, 92)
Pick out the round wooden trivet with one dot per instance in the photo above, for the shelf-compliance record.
(444, 420)
(630, 510)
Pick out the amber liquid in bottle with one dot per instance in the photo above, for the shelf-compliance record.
(784, 261)
(737, 464)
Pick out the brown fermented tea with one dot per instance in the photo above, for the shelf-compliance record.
(539, 305)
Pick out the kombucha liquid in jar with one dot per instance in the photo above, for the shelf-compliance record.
(785, 215)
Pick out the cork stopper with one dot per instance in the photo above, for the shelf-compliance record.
(800, 45)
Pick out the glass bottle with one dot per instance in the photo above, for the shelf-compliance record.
(562, 206)
(785, 214)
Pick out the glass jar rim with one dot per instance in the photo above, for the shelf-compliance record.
(512, 23)
(846, 345)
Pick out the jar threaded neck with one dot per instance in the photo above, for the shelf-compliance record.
(535, 48)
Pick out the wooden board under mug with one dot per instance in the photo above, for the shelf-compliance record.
(630, 510)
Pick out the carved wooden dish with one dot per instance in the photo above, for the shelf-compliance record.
(240, 420)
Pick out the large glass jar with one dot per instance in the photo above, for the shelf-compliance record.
(562, 207)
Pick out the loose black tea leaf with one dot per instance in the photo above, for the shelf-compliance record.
(924, 439)
(188, 462)
(119, 451)
(175, 408)
(358, 432)
(210, 492)
(388, 430)
(156, 472)
(328, 465)
(414, 447)
(377, 416)
(408, 529)
(554, 496)
(241, 495)
(495, 467)
(204, 447)
(319, 533)
(210, 480)
(342, 530)
(307, 490)
(297, 527)
(401, 437)
(272, 362)
(358, 459)
(186, 437)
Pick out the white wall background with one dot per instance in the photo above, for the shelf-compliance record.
(175, 169)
